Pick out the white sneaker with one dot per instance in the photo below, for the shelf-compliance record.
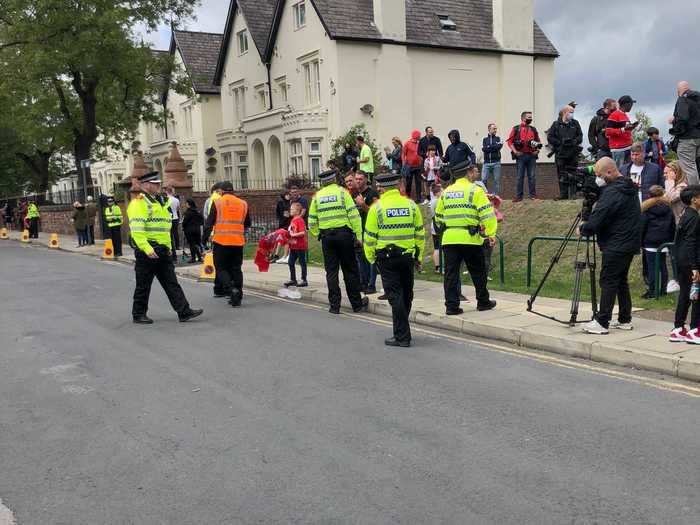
(673, 286)
(283, 260)
(693, 337)
(621, 326)
(426, 202)
(594, 327)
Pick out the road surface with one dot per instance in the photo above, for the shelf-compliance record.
(282, 413)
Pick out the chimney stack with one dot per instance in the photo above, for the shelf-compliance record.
(390, 18)
(513, 24)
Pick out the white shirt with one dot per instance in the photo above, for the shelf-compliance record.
(174, 207)
(636, 176)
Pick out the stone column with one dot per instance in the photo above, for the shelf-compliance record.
(176, 175)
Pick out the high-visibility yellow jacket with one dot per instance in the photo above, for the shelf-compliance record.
(461, 205)
(32, 211)
(394, 219)
(149, 220)
(333, 207)
(113, 216)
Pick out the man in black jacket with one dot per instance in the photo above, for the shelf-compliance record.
(458, 151)
(429, 139)
(616, 220)
(686, 128)
(596, 130)
(491, 146)
(565, 138)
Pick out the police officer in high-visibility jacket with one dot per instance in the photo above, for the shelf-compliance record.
(33, 220)
(113, 218)
(334, 218)
(150, 223)
(395, 239)
(228, 220)
(462, 213)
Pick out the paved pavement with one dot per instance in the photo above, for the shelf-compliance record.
(278, 412)
(645, 348)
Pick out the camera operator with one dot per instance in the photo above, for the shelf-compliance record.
(525, 145)
(616, 220)
(565, 138)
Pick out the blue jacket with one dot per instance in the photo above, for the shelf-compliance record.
(651, 176)
(491, 147)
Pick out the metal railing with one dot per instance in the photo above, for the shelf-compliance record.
(530, 244)
(256, 184)
(657, 267)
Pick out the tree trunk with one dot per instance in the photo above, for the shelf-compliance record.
(39, 163)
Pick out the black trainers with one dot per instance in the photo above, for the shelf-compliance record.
(456, 311)
(190, 314)
(302, 284)
(363, 306)
(488, 306)
(334, 310)
(393, 342)
(290, 283)
(236, 298)
(371, 290)
(463, 298)
(142, 319)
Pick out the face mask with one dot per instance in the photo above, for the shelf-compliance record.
(600, 182)
(571, 116)
(528, 121)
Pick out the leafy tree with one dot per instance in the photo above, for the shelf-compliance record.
(640, 132)
(90, 66)
(338, 145)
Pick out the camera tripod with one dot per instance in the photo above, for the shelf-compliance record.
(585, 259)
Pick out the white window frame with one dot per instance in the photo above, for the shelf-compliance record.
(262, 93)
(243, 172)
(227, 162)
(187, 120)
(296, 157)
(242, 41)
(299, 14)
(283, 89)
(310, 68)
(314, 154)
(238, 96)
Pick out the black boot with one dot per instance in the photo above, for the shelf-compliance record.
(190, 314)
(142, 319)
(393, 342)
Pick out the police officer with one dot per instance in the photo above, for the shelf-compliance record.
(462, 211)
(150, 223)
(334, 217)
(113, 218)
(228, 219)
(395, 239)
(33, 220)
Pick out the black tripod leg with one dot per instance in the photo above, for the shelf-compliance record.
(579, 266)
(594, 289)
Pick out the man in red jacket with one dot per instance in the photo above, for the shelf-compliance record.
(412, 165)
(619, 131)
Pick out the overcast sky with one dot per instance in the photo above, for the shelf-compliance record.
(608, 49)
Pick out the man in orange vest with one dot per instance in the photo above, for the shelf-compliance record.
(228, 220)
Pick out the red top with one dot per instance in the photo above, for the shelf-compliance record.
(527, 133)
(618, 136)
(298, 243)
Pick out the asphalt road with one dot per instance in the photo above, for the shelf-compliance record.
(282, 413)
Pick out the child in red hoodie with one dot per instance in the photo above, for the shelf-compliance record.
(298, 245)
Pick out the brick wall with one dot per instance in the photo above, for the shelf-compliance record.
(57, 219)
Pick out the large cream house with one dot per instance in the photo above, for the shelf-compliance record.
(295, 74)
(194, 120)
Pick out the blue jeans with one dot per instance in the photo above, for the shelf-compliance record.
(621, 157)
(492, 169)
(525, 164)
(368, 272)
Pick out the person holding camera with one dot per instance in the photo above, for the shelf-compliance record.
(686, 130)
(616, 220)
(525, 145)
(462, 212)
(565, 138)
(619, 131)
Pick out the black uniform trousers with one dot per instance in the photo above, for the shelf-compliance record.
(162, 269)
(338, 247)
(115, 233)
(34, 228)
(227, 262)
(397, 277)
(566, 168)
(614, 285)
(473, 256)
(685, 280)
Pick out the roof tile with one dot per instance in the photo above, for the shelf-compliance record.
(199, 53)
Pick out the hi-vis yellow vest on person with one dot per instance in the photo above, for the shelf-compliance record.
(32, 211)
(394, 219)
(461, 205)
(333, 207)
(149, 220)
(113, 216)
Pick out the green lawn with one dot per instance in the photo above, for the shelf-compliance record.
(522, 222)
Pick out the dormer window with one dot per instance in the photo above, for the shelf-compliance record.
(446, 23)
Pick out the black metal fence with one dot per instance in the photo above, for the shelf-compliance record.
(261, 184)
(55, 197)
(263, 221)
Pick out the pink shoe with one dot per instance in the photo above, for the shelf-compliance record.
(678, 335)
(693, 337)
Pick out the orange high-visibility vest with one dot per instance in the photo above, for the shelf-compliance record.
(230, 216)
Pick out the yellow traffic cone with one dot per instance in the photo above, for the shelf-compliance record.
(108, 251)
(53, 242)
(25, 235)
(4, 234)
(208, 272)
